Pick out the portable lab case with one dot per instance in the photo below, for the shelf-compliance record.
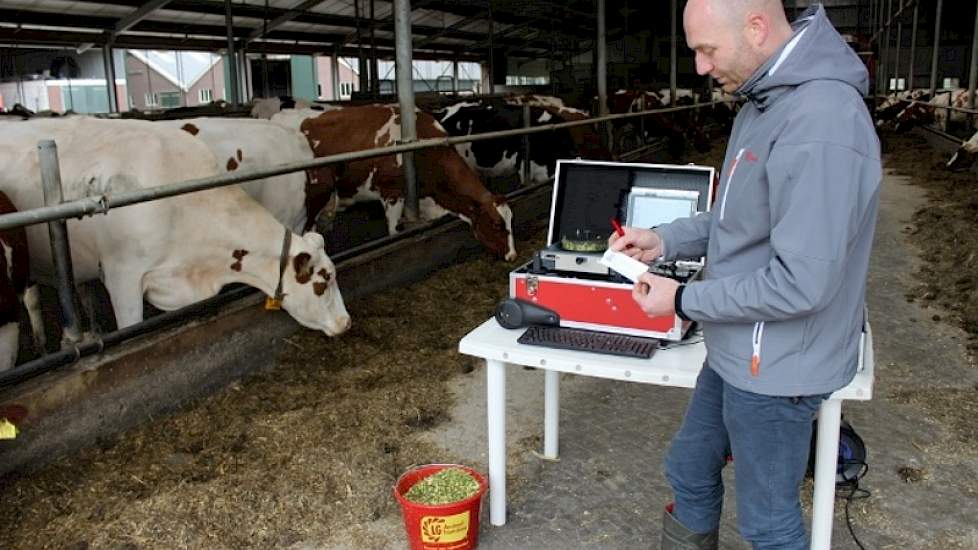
(586, 196)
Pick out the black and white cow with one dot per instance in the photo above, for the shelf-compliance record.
(504, 157)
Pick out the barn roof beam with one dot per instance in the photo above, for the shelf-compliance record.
(384, 23)
(141, 13)
(128, 21)
(41, 37)
(184, 30)
(282, 19)
(455, 26)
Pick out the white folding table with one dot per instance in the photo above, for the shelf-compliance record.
(677, 366)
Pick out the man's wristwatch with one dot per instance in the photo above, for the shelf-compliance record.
(678, 303)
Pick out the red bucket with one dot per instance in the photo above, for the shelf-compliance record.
(452, 526)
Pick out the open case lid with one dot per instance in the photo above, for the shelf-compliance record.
(587, 194)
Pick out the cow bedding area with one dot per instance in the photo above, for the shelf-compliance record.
(944, 231)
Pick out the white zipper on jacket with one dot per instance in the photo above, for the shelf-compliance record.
(755, 360)
(726, 188)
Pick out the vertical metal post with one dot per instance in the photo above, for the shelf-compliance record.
(492, 53)
(913, 48)
(334, 69)
(937, 47)
(374, 77)
(672, 55)
(362, 64)
(232, 59)
(880, 85)
(601, 71)
(885, 73)
(973, 75)
(47, 153)
(526, 143)
(899, 49)
(872, 17)
(455, 76)
(244, 77)
(110, 78)
(405, 97)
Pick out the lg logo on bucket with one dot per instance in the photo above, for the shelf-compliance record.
(444, 529)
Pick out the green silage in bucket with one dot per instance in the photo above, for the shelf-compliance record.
(448, 517)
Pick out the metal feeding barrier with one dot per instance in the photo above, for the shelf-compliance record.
(56, 212)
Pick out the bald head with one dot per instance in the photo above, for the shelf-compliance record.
(738, 9)
(732, 38)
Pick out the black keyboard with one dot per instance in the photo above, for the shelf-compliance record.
(589, 340)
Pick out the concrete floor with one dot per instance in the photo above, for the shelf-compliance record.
(608, 488)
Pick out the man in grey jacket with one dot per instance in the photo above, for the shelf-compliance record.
(787, 244)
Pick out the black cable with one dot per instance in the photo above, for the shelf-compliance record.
(854, 492)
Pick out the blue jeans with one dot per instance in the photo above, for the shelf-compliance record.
(769, 438)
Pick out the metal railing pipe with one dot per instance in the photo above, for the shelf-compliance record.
(100, 204)
(47, 154)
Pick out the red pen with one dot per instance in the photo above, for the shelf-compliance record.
(617, 226)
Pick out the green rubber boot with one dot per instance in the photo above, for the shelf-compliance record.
(675, 536)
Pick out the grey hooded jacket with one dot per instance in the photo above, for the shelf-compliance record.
(788, 239)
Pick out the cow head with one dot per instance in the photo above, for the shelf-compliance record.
(964, 157)
(493, 227)
(311, 295)
(916, 113)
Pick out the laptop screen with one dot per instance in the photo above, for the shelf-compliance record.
(649, 208)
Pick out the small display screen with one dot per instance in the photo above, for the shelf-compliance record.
(649, 208)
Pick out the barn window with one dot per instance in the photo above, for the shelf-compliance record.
(152, 100)
(951, 83)
(897, 84)
(346, 90)
(169, 99)
(527, 80)
(206, 95)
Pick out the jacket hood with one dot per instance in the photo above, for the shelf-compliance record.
(816, 51)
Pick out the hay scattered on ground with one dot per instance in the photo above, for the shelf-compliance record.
(943, 231)
(306, 451)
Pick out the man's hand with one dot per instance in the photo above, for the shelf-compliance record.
(642, 244)
(655, 295)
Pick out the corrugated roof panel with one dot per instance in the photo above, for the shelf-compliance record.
(187, 17)
(61, 6)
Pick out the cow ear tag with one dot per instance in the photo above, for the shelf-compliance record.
(271, 304)
(7, 429)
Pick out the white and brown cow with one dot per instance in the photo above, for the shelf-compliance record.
(965, 156)
(173, 251)
(14, 258)
(920, 112)
(267, 107)
(446, 185)
(245, 144)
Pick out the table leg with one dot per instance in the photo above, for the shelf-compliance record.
(551, 413)
(496, 413)
(826, 457)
